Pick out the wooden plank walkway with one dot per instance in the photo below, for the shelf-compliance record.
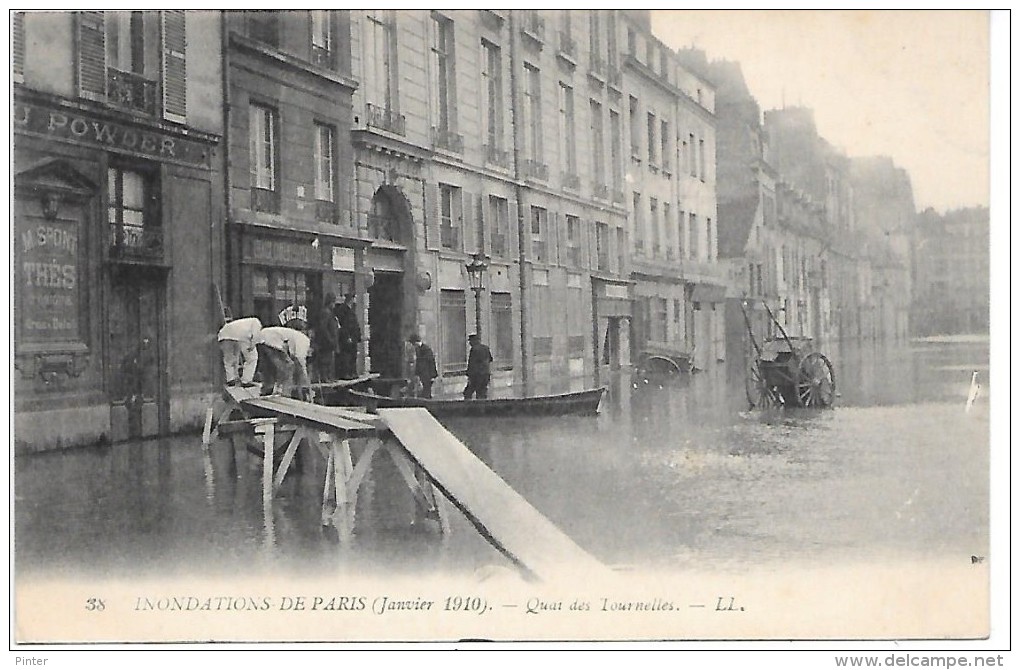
(499, 513)
(316, 416)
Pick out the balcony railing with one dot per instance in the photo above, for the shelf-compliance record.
(535, 169)
(574, 257)
(126, 89)
(325, 210)
(571, 181)
(539, 251)
(127, 241)
(323, 57)
(568, 46)
(449, 237)
(445, 139)
(382, 227)
(496, 156)
(500, 245)
(600, 191)
(533, 25)
(384, 119)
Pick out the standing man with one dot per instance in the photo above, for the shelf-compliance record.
(478, 369)
(237, 340)
(350, 336)
(424, 365)
(286, 352)
(327, 340)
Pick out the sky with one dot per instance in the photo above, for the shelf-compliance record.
(912, 85)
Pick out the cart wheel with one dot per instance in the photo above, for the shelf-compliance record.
(759, 395)
(816, 383)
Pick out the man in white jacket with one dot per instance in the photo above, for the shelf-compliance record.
(238, 345)
(286, 350)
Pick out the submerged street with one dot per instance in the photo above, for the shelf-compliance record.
(674, 474)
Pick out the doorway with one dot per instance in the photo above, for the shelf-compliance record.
(386, 324)
(136, 353)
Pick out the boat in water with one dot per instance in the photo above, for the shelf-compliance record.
(587, 402)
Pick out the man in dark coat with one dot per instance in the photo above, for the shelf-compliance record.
(478, 369)
(350, 336)
(424, 365)
(327, 340)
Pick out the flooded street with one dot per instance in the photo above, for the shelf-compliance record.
(672, 474)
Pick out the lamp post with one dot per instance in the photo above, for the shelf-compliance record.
(476, 278)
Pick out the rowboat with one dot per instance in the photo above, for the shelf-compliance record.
(587, 402)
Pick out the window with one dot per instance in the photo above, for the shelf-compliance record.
(611, 44)
(602, 246)
(692, 163)
(595, 41)
(667, 227)
(453, 315)
(502, 330)
(450, 216)
(262, 157)
(709, 241)
(678, 320)
(322, 37)
(567, 130)
(681, 232)
(134, 223)
(665, 152)
(533, 112)
(492, 90)
(325, 173)
(614, 149)
(635, 130)
(125, 42)
(598, 149)
(539, 224)
(621, 250)
(639, 224)
(653, 208)
(652, 145)
(444, 95)
(701, 159)
(578, 317)
(380, 81)
(659, 310)
(499, 220)
(544, 313)
(631, 42)
(573, 241)
(695, 237)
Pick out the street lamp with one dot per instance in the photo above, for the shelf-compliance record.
(476, 278)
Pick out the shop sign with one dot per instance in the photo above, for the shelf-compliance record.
(48, 265)
(66, 124)
(284, 252)
(343, 259)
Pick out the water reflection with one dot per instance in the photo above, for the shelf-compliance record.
(675, 472)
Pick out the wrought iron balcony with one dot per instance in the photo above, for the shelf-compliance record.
(496, 156)
(533, 25)
(127, 241)
(445, 139)
(126, 89)
(384, 119)
(449, 237)
(325, 210)
(600, 191)
(382, 227)
(571, 181)
(535, 169)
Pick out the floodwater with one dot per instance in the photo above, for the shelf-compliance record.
(673, 474)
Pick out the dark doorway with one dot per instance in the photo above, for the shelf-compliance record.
(136, 353)
(386, 324)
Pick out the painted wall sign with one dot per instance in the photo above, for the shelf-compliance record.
(74, 125)
(283, 252)
(48, 280)
(343, 259)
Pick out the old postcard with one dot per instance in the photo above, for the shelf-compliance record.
(600, 326)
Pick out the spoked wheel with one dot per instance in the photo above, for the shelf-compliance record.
(816, 383)
(759, 395)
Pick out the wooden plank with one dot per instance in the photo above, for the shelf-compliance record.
(343, 412)
(305, 412)
(343, 383)
(499, 513)
(237, 394)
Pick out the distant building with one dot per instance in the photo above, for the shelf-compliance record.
(117, 214)
(951, 272)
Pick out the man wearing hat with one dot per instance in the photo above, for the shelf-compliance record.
(478, 369)
(424, 365)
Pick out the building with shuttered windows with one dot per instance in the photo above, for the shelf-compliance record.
(117, 216)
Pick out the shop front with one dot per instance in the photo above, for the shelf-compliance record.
(612, 316)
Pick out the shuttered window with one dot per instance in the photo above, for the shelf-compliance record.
(18, 46)
(453, 312)
(503, 329)
(175, 71)
(91, 55)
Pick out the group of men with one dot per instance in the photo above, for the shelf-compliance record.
(284, 350)
(479, 368)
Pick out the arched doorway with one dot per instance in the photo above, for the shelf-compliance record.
(392, 304)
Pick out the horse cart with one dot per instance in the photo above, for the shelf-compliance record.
(787, 371)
